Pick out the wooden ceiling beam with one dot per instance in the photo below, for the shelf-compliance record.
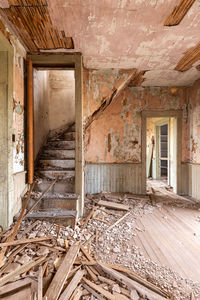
(190, 57)
(179, 13)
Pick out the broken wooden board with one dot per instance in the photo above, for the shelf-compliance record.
(72, 286)
(16, 227)
(113, 205)
(145, 292)
(93, 292)
(25, 241)
(137, 278)
(55, 287)
(118, 221)
(99, 289)
(24, 268)
(15, 287)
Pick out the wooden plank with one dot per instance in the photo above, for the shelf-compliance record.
(73, 284)
(14, 286)
(25, 241)
(118, 221)
(16, 227)
(24, 268)
(55, 287)
(40, 283)
(77, 293)
(95, 294)
(11, 257)
(92, 275)
(137, 278)
(144, 291)
(87, 255)
(43, 194)
(89, 216)
(113, 205)
(99, 289)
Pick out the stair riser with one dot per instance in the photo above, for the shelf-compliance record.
(60, 175)
(50, 204)
(58, 163)
(70, 221)
(61, 144)
(69, 136)
(59, 154)
(59, 187)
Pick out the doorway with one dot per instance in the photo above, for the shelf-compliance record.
(59, 62)
(161, 149)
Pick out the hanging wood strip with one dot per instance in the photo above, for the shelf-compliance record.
(190, 57)
(178, 13)
(33, 23)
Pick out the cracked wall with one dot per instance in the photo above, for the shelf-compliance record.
(116, 136)
(18, 107)
(194, 123)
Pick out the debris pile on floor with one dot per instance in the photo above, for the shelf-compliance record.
(94, 260)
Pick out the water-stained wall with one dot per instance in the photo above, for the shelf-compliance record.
(116, 136)
(18, 107)
(192, 167)
(194, 122)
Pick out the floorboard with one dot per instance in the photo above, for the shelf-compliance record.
(171, 238)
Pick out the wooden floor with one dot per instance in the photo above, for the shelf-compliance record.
(172, 238)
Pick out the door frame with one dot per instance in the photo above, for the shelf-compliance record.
(6, 130)
(74, 61)
(162, 114)
(158, 124)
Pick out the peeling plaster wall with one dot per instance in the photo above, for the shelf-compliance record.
(13, 185)
(191, 169)
(61, 98)
(41, 109)
(18, 107)
(194, 122)
(115, 137)
(20, 186)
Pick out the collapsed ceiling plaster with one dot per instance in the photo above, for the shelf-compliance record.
(131, 34)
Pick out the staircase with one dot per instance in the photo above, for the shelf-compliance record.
(57, 161)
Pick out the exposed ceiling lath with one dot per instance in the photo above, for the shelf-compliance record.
(33, 24)
(179, 12)
(191, 56)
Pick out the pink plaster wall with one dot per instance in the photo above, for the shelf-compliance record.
(116, 136)
(18, 115)
(193, 133)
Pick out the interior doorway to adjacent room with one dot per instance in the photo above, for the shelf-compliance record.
(152, 120)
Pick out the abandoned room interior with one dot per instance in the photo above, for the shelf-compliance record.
(100, 149)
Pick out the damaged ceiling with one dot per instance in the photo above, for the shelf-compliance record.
(160, 37)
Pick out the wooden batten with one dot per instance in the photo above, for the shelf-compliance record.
(190, 57)
(179, 12)
(33, 24)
